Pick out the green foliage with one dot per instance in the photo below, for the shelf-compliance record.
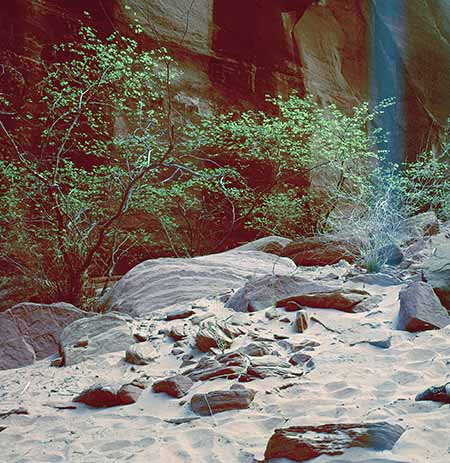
(391, 195)
(70, 170)
(94, 166)
(278, 157)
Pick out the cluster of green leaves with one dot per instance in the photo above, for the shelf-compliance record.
(291, 164)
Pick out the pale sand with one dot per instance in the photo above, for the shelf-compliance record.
(349, 384)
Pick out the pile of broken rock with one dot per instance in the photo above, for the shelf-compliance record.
(238, 320)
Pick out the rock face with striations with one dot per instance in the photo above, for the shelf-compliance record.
(90, 337)
(159, 283)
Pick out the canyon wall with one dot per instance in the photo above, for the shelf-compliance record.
(233, 52)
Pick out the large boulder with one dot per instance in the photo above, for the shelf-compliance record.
(30, 331)
(265, 291)
(321, 250)
(158, 283)
(302, 443)
(266, 244)
(90, 337)
(436, 272)
(420, 309)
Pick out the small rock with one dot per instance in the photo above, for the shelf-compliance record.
(307, 345)
(259, 294)
(130, 393)
(58, 362)
(175, 386)
(186, 419)
(436, 394)
(178, 314)
(142, 353)
(140, 337)
(14, 411)
(199, 319)
(301, 321)
(272, 313)
(177, 351)
(61, 406)
(222, 401)
(383, 343)
(279, 336)
(256, 349)
(300, 359)
(391, 254)
(376, 279)
(102, 396)
(213, 335)
(177, 333)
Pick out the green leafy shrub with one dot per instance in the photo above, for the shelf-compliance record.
(75, 150)
(291, 165)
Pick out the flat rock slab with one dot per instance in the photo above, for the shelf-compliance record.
(30, 331)
(346, 300)
(263, 292)
(155, 284)
(90, 337)
(375, 279)
(302, 443)
(104, 396)
(222, 401)
(420, 309)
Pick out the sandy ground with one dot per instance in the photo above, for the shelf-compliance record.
(353, 382)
